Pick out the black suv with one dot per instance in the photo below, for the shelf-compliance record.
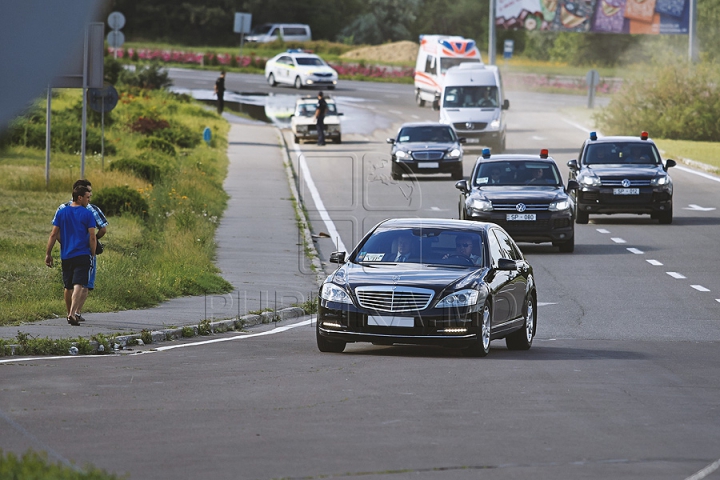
(622, 175)
(524, 194)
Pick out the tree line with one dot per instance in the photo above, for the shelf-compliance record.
(210, 22)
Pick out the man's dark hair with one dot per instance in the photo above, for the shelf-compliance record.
(320, 94)
(79, 191)
(82, 183)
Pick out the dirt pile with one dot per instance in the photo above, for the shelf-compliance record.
(405, 51)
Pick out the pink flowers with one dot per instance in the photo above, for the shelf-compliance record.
(175, 56)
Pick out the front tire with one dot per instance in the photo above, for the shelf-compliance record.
(325, 345)
(481, 347)
(297, 140)
(298, 83)
(582, 217)
(337, 139)
(396, 173)
(457, 174)
(666, 218)
(567, 247)
(418, 99)
(522, 339)
(271, 80)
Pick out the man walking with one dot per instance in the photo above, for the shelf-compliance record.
(220, 92)
(74, 227)
(320, 111)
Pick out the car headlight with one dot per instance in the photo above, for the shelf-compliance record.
(660, 180)
(302, 128)
(589, 180)
(402, 154)
(495, 124)
(454, 153)
(481, 205)
(559, 206)
(463, 298)
(334, 293)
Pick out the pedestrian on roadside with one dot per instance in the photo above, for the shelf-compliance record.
(220, 92)
(320, 112)
(74, 227)
(101, 224)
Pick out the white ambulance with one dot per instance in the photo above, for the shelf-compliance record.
(437, 53)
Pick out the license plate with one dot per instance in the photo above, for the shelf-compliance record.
(626, 191)
(472, 140)
(524, 217)
(428, 165)
(390, 321)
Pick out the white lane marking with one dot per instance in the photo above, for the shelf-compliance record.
(698, 208)
(679, 276)
(332, 231)
(635, 251)
(435, 209)
(580, 127)
(654, 262)
(618, 240)
(602, 230)
(396, 112)
(717, 300)
(542, 304)
(695, 172)
(535, 137)
(700, 288)
(705, 471)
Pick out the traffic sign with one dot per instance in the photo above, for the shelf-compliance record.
(116, 20)
(103, 99)
(207, 135)
(115, 38)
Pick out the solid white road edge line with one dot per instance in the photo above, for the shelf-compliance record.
(705, 471)
(332, 231)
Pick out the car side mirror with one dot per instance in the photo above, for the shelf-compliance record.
(572, 185)
(573, 165)
(506, 104)
(506, 264)
(670, 163)
(462, 140)
(391, 141)
(463, 186)
(337, 257)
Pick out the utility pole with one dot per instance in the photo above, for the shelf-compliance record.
(692, 33)
(491, 40)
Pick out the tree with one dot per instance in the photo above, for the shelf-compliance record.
(387, 20)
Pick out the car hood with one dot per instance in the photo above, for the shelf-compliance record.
(625, 170)
(474, 115)
(408, 274)
(523, 194)
(415, 146)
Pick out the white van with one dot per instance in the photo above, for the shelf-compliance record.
(438, 53)
(269, 32)
(473, 102)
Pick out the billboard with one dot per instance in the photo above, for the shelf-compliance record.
(652, 17)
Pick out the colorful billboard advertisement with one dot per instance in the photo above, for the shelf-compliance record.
(652, 17)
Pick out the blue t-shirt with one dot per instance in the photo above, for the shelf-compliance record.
(74, 223)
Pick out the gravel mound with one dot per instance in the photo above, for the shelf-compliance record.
(404, 51)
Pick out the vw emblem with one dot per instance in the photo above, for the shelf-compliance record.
(469, 126)
(626, 183)
(520, 207)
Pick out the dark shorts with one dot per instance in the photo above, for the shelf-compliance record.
(76, 271)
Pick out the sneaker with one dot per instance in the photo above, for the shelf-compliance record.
(73, 321)
(79, 317)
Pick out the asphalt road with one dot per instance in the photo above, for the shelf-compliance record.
(622, 381)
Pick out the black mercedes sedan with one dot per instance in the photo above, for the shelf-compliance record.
(622, 175)
(450, 283)
(524, 194)
(426, 148)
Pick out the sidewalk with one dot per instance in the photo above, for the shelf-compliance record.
(260, 251)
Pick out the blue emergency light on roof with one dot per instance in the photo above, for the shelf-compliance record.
(295, 50)
(593, 135)
(544, 153)
(644, 136)
(486, 153)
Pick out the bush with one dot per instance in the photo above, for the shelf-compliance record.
(181, 136)
(37, 465)
(159, 144)
(140, 168)
(119, 200)
(151, 77)
(148, 125)
(673, 101)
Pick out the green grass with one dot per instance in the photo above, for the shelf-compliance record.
(147, 260)
(703, 152)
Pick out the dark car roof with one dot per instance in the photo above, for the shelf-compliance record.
(435, 223)
(616, 139)
(424, 124)
(514, 157)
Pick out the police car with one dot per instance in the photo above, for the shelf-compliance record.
(300, 69)
(622, 175)
(304, 125)
(524, 194)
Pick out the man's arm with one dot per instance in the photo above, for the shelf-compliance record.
(93, 241)
(54, 234)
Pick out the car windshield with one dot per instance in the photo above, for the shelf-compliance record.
(446, 63)
(619, 153)
(428, 246)
(430, 133)
(310, 61)
(471, 97)
(518, 172)
(308, 109)
(261, 29)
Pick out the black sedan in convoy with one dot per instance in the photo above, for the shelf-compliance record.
(524, 194)
(426, 148)
(442, 282)
(622, 175)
